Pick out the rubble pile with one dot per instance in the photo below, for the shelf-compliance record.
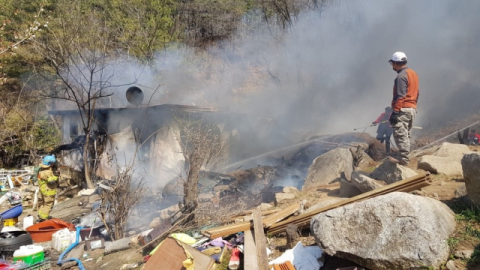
(324, 205)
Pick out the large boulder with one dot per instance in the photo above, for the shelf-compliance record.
(347, 189)
(329, 167)
(445, 165)
(471, 174)
(390, 172)
(393, 231)
(451, 150)
(363, 182)
(445, 159)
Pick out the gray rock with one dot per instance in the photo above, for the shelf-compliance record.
(280, 197)
(461, 191)
(391, 172)
(393, 231)
(451, 150)
(446, 165)
(451, 265)
(155, 222)
(347, 189)
(465, 254)
(471, 174)
(329, 167)
(445, 159)
(423, 152)
(363, 182)
(290, 190)
(169, 211)
(265, 206)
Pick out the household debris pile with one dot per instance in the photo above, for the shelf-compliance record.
(269, 231)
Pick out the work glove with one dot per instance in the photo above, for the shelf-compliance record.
(394, 118)
(52, 179)
(374, 123)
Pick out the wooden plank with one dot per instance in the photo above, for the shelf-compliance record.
(264, 213)
(304, 219)
(269, 221)
(406, 185)
(250, 252)
(227, 230)
(260, 240)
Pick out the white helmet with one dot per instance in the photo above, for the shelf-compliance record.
(398, 57)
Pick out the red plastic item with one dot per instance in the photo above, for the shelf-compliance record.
(42, 232)
(234, 259)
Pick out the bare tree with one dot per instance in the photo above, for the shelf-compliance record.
(81, 57)
(121, 197)
(20, 33)
(202, 147)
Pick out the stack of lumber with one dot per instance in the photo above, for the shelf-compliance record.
(407, 185)
(275, 225)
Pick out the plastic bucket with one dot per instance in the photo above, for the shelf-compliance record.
(12, 212)
(30, 254)
(42, 232)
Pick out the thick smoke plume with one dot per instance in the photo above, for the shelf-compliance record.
(328, 72)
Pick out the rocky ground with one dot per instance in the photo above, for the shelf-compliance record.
(245, 189)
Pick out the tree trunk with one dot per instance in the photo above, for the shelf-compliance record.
(90, 114)
(86, 162)
(191, 185)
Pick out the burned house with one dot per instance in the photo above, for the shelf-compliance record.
(151, 134)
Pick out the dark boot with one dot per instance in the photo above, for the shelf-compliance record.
(387, 146)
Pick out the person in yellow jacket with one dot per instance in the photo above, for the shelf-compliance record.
(48, 183)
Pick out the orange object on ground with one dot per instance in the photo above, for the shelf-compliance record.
(42, 232)
(284, 266)
(234, 259)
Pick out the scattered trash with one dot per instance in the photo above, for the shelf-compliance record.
(30, 254)
(303, 258)
(43, 231)
(10, 221)
(13, 212)
(117, 245)
(212, 250)
(234, 259)
(86, 192)
(173, 254)
(130, 266)
(27, 221)
(61, 239)
(200, 242)
(184, 238)
(95, 243)
(11, 241)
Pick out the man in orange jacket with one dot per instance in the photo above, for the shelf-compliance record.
(404, 104)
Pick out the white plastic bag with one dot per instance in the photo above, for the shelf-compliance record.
(303, 258)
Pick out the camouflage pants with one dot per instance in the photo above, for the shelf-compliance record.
(46, 206)
(402, 130)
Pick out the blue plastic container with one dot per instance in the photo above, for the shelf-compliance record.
(13, 212)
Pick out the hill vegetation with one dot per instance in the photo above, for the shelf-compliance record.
(41, 40)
